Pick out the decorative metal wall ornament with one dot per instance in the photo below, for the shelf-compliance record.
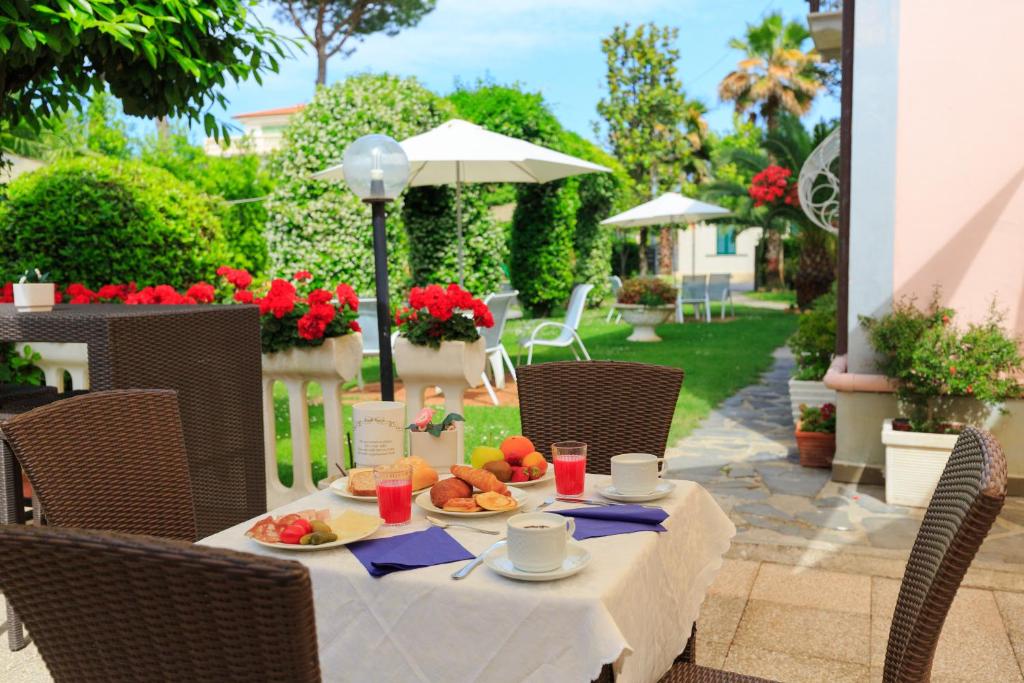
(818, 185)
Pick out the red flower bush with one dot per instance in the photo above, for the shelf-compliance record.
(773, 186)
(436, 314)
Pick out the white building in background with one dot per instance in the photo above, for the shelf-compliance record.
(720, 248)
(261, 131)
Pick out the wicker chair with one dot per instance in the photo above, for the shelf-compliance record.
(113, 607)
(614, 407)
(963, 508)
(110, 460)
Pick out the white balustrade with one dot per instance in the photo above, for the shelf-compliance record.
(58, 358)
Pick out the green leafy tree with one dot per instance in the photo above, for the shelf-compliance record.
(160, 59)
(651, 126)
(332, 25)
(775, 75)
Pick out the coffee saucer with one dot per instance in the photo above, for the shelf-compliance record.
(576, 558)
(663, 488)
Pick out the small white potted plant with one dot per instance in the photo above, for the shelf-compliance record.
(645, 302)
(812, 345)
(946, 378)
(438, 444)
(34, 293)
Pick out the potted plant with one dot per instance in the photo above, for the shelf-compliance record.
(645, 302)
(816, 435)
(438, 444)
(438, 344)
(34, 293)
(812, 345)
(946, 377)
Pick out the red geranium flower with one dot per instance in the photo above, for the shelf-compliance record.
(310, 327)
(347, 297)
(318, 296)
(303, 276)
(243, 296)
(201, 292)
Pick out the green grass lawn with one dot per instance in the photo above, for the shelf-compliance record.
(786, 296)
(719, 359)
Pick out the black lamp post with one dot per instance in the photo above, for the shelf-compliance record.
(377, 170)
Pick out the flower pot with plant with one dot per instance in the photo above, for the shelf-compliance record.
(34, 293)
(645, 302)
(946, 377)
(440, 444)
(439, 345)
(816, 435)
(812, 345)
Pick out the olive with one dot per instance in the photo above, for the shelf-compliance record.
(318, 537)
(322, 527)
(307, 540)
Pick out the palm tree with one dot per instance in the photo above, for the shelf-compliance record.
(776, 75)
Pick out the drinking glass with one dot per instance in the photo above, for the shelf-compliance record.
(394, 493)
(570, 458)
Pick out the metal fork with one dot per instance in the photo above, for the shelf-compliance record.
(444, 525)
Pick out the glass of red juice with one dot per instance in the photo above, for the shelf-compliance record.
(394, 493)
(570, 458)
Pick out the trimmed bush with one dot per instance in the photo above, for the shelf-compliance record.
(322, 226)
(97, 220)
(542, 259)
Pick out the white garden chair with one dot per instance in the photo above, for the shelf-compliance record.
(371, 336)
(568, 334)
(692, 290)
(500, 305)
(720, 291)
(616, 282)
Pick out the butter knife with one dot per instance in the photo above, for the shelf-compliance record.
(594, 501)
(472, 564)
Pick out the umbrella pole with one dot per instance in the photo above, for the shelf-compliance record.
(458, 219)
(693, 248)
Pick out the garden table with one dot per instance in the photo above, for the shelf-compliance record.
(632, 608)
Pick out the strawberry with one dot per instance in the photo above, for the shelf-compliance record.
(519, 474)
(533, 472)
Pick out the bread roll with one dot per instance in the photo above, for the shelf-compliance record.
(446, 489)
(423, 475)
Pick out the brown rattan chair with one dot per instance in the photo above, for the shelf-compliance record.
(113, 607)
(614, 407)
(109, 460)
(963, 508)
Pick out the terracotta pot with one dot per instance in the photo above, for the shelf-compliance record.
(816, 448)
(643, 319)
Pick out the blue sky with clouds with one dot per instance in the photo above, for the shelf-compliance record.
(551, 46)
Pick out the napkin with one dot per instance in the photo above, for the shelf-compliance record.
(608, 520)
(382, 556)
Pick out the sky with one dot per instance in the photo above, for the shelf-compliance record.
(550, 46)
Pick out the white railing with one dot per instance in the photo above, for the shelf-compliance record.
(818, 186)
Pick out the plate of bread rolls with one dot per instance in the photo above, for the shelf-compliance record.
(470, 492)
(360, 485)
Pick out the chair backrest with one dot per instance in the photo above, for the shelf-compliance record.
(500, 304)
(965, 504)
(694, 287)
(718, 285)
(110, 460)
(367, 320)
(616, 282)
(612, 406)
(577, 302)
(114, 607)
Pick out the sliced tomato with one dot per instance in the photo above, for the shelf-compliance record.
(293, 533)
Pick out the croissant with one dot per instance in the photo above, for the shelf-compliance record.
(481, 479)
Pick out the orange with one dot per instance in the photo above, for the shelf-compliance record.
(537, 460)
(515, 448)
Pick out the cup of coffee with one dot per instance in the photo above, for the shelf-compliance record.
(635, 474)
(536, 540)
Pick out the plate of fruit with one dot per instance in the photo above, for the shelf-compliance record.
(359, 484)
(516, 462)
(471, 492)
(313, 529)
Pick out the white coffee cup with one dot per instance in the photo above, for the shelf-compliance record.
(635, 474)
(536, 540)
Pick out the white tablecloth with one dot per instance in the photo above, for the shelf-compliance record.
(634, 605)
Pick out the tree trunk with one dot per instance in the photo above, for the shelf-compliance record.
(321, 65)
(773, 260)
(665, 243)
(163, 128)
(643, 251)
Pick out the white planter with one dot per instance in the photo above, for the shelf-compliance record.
(440, 452)
(811, 393)
(34, 297)
(337, 356)
(914, 461)
(643, 319)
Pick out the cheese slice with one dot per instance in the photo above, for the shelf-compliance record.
(352, 524)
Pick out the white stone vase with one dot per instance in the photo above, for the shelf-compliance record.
(643, 319)
(914, 461)
(34, 297)
(454, 367)
(440, 452)
(813, 394)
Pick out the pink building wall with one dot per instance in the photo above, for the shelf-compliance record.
(959, 162)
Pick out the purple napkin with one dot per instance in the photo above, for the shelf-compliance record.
(382, 556)
(595, 521)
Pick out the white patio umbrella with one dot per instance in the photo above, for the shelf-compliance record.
(458, 152)
(669, 208)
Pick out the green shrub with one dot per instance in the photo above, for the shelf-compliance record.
(322, 226)
(541, 254)
(647, 291)
(931, 358)
(814, 341)
(97, 220)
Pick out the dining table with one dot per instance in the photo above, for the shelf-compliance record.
(631, 608)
